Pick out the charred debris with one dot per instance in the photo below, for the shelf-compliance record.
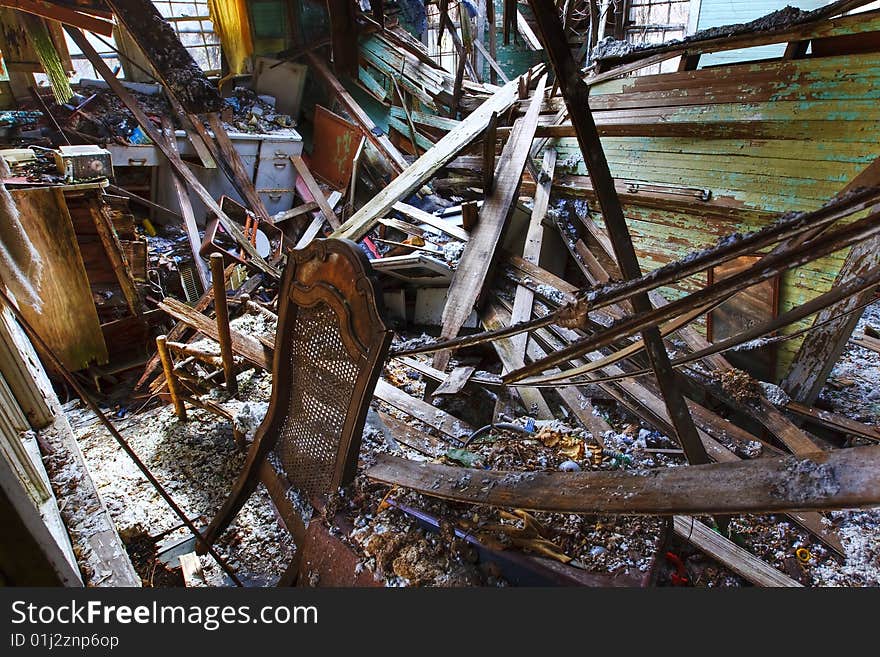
(625, 262)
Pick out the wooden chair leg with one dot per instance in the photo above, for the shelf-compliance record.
(171, 377)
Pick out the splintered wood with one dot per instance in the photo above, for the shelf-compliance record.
(556, 245)
(467, 283)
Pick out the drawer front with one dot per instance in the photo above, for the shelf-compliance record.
(134, 156)
(276, 200)
(274, 168)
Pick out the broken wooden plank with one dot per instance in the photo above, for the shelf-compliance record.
(840, 479)
(64, 15)
(432, 220)
(817, 26)
(318, 220)
(526, 32)
(230, 156)
(524, 298)
(492, 63)
(303, 170)
(191, 567)
(164, 50)
(427, 165)
(456, 380)
(834, 421)
(867, 342)
(573, 397)
(644, 400)
(490, 141)
(434, 417)
(764, 269)
(767, 414)
(362, 120)
(180, 329)
(293, 213)
(67, 319)
(420, 441)
(479, 252)
(725, 551)
(113, 249)
(244, 345)
(221, 311)
(512, 357)
(186, 211)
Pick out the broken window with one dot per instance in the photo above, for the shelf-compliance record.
(105, 47)
(651, 21)
(444, 52)
(192, 22)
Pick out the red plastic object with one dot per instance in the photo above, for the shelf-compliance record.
(679, 578)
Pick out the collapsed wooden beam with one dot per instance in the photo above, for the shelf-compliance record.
(764, 269)
(577, 100)
(221, 310)
(835, 295)
(511, 357)
(62, 14)
(223, 151)
(739, 560)
(822, 348)
(186, 211)
(246, 346)
(171, 154)
(312, 185)
(839, 479)
(479, 252)
(427, 165)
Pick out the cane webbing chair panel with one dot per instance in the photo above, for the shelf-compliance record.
(330, 346)
(319, 399)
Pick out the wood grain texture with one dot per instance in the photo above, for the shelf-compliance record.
(841, 479)
(67, 321)
(512, 357)
(305, 173)
(738, 559)
(427, 165)
(479, 252)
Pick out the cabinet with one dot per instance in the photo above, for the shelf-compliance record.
(266, 159)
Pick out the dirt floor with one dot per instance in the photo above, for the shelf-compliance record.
(198, 462)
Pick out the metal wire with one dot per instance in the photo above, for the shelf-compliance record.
(56, 364)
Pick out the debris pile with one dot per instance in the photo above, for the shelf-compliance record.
(487, 389)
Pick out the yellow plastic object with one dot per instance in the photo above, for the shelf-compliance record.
(803, 555)
(149, 227)
(231, 23)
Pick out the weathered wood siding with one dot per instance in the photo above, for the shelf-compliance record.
(762, 137)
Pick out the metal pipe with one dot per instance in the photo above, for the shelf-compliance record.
(58, 366)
